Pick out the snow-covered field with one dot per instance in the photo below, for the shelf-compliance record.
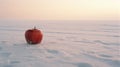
(65, 44)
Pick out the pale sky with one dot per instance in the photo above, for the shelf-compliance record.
(60, 9)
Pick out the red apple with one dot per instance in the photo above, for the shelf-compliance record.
(33, 36)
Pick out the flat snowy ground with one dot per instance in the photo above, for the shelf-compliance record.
(65, 44)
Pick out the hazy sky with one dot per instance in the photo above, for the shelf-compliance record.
(59, 9)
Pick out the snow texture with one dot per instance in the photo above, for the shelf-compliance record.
(64, 44)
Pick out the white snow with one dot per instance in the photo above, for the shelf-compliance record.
(65, 44)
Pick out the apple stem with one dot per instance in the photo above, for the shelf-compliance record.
(34, 27)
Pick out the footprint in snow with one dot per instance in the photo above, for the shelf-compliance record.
(106, 56)
(14, 62)
(53, 51)
(83, 65)
(5, 54)
(6, 65)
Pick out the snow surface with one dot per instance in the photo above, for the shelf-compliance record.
(65, 44)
